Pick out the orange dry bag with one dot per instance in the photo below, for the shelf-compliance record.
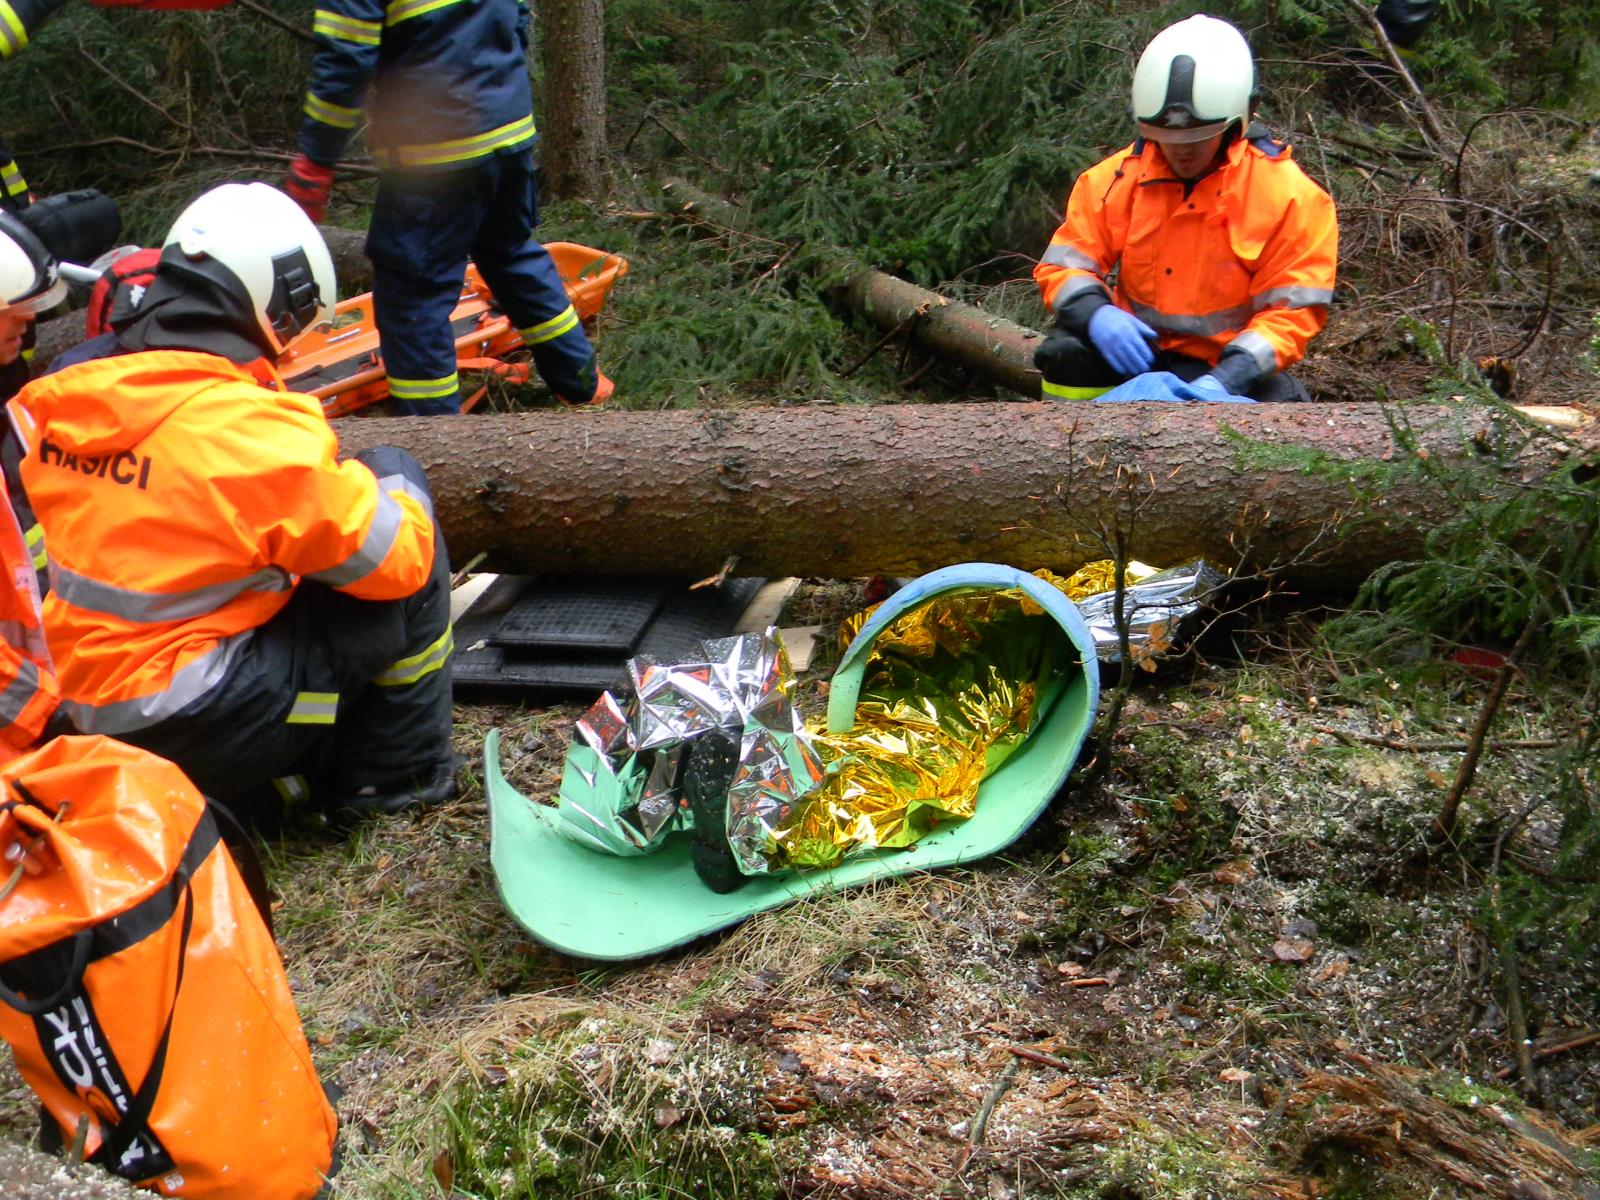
(139, 990)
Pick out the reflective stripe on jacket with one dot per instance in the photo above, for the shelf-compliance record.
(1247, 259)
(27, 683)
(182, 502)
(449, 80)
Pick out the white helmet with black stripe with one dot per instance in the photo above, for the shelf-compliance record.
(1193, 81)
(258, 244)
(30, 280)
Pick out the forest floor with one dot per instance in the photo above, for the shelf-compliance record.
(1231, 969)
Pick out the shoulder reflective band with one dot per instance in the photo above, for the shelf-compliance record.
(346, 29)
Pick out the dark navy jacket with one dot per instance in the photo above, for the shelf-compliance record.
(449, 81)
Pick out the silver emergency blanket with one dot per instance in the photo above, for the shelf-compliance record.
(1159, 608)
(619, 789)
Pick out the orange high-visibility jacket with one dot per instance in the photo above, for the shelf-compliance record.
(182, 502)
(1247, 259)
(27, 681)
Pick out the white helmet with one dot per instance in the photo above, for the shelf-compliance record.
(1193, 79)
(30, 281)
(275, 260)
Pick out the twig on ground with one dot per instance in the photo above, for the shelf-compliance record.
(1044, 1060)
(980, 1123)
(1544, 1052)
(1444, 825)
(1504, 936)
(1427, 120)
(903, 327)
(460, 576)
(777, 265)
(933, 361)
(720, 578)
(1434, 747)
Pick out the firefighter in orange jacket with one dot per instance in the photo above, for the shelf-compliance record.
(27, 682)
(224, 591)
(1224, 250)
(29, 282)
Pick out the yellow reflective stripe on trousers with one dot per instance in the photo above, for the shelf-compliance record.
(313, 708)
(545, 331)
(292, 787)
(423, 389)
(437, 154)
(329, 113)
(13, 33)
(346, 29)
(1060, 391)
(409, 670)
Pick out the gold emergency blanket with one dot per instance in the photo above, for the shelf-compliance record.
(950, 690)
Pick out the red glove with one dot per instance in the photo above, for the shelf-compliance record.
(309, 185)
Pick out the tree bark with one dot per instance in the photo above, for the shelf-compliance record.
(898, 490)
(573, 150)
(985, 344)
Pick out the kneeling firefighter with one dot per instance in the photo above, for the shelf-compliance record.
(224, 591)
(1201, 254)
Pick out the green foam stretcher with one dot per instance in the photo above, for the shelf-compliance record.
(595, 905)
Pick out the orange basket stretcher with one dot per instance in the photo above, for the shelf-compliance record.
(339, 361)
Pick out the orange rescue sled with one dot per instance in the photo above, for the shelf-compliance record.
(338, 360)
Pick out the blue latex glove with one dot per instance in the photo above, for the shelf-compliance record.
(1122, 339)
(1209, 387)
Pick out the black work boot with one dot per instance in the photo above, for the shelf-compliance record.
(422, 789)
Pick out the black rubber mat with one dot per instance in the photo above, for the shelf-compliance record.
(486, 661)
(576, 614)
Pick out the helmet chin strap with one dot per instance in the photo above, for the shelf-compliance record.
(295, 295)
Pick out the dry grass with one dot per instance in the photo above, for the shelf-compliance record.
(1242, 889)
(860, 1034)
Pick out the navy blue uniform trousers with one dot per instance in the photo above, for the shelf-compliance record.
(425, 225)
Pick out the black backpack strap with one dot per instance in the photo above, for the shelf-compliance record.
(245, 857)
(55, 969)
(75, 951)
(134, 1120)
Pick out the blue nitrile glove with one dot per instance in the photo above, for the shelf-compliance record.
(1153, 385)
(1122, 339)
(1209, 387)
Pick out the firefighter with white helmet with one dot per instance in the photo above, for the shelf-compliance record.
(1223, 250)
(225, 591)
(30, 282)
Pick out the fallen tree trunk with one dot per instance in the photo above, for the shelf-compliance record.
(351, 266)
(898, 490)
(985, 344)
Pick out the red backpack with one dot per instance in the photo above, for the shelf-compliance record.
(119, 289)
